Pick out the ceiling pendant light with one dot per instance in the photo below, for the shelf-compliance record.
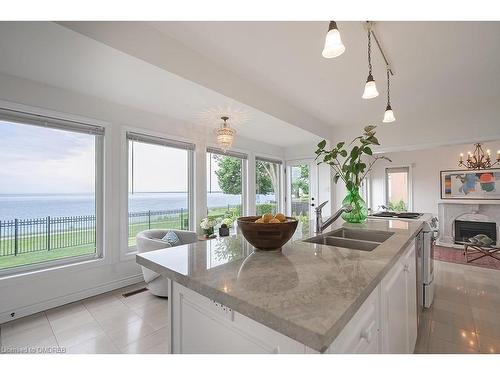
(370, 87)
(389, 114)
(333, 43)
(225, 134)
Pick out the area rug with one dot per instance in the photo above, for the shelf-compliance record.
(453, 255)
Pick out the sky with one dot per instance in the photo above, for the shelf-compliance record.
(157, 168)
(39, 160)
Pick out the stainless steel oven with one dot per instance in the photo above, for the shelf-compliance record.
(429, 235)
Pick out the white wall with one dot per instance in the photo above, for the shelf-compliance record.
(425, 169)
(36, 291)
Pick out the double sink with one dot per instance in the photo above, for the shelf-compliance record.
(355, 239)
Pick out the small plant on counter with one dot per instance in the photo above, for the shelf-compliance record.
(351, 166)
(228, 222)
(208, 224)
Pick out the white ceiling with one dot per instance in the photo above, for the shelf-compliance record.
(52, 54)
(446, 88)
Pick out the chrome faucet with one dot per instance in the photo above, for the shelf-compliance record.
(320, 224)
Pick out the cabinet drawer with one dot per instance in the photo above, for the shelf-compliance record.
(361, 334)
(203, 326)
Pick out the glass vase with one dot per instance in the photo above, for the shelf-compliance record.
(359, 211)
(208, 232)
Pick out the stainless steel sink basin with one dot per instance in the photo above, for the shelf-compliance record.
(344, 242)
(360, 234)
(356, 239)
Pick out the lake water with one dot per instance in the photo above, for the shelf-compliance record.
(17, 206)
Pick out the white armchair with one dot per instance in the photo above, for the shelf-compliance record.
(150, 240)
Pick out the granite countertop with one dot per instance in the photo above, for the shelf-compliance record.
(308, 292)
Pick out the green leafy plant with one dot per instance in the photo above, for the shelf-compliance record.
(351, 165)
(397, 206)
(229, 175)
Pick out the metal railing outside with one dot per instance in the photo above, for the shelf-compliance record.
(21, 236)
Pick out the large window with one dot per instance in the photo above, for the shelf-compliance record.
(159, 184)
(225, 184)
(398, 188)
(50, 191)
(267, 186)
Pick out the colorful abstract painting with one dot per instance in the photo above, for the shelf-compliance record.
(481, 184)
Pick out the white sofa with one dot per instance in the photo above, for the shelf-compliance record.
(150, 240)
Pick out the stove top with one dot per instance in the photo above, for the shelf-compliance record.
(398, 215)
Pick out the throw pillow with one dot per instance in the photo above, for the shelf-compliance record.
(171, 238)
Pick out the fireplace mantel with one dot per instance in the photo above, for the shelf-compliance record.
(449, 210)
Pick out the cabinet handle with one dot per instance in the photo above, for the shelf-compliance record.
(407, 268)
(366, 335)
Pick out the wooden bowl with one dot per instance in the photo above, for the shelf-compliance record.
(264, 236)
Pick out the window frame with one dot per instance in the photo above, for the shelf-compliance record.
(34, 117)
(402, 168)
(162, 140)
(244, 174)
(280, 200)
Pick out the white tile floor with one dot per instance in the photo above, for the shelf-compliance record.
(108, 323)
(465, 318)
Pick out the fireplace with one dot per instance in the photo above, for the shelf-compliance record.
(467, 229)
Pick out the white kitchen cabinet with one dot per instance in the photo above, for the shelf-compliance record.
(200, 325)
(410, 267)
(399, 305)
(361, 334)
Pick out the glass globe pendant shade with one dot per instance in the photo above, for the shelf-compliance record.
(389, 115)
(370, 88)
(333, 43)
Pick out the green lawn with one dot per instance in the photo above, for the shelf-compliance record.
(60, 241)
(27, 242)
(39, 241)
(44, 255)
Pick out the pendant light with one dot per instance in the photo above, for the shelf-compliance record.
(225, 134)
(389, 114)
(333, 43)
(370, 87)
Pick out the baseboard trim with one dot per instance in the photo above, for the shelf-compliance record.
(69, 298)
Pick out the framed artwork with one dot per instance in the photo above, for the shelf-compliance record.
(471, 184)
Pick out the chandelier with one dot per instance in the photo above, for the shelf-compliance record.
(478, 159)
(225, 134)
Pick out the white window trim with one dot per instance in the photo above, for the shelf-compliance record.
(20, 111)
(128, 252)
(410, 184)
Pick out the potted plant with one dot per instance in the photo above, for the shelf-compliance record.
(208, 224)
(352, 166)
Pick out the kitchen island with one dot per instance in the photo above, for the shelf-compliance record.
(224, 297)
